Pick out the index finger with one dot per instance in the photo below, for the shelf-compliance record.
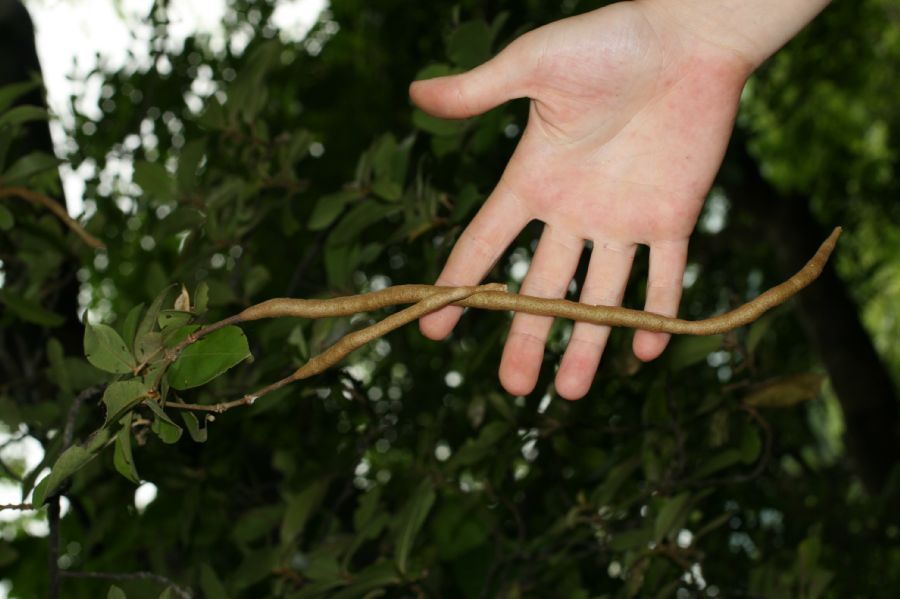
(479, 247)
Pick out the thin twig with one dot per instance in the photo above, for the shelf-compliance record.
(56, 208)
(16, 506)
(158, 578)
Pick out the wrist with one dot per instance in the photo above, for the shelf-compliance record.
(745, 31)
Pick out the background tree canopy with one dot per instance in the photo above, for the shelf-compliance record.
(761, 463)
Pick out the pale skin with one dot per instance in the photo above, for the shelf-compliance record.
(631, 109)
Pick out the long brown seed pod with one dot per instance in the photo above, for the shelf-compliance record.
(602, 315)
(428, 298)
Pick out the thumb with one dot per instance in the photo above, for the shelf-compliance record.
(486, 86)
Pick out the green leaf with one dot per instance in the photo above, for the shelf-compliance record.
(57, 359)
(7, 221)
(23, 114)
(123, 396)
(201, 298)
(163, 426)
(671, 515)
(148, 323)
(197, 433)
(323, 567)
(130, 324)
(436, 126)
(475, 450)
(188, 163)
(365, 510)
(299, 507)
(30, 311)
(758, 331)
(173, 318)
(410, 521)
(470, 44)
(720, 461)
(387, 190)
(10, 93)
(786, 391)
(115, 593)
(373, 578)
(154, 179)
(106, 350)
(256, 523)
(359, 219)
(631, 539)
(69, 462)
(389, 163)
(328, 208)
(208, 358)
(751, 444)
(210, 584)
(122, 458)
(148, 346)
(687, 351)
(28, 166)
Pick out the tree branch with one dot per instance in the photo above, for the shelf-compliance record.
(56, 208)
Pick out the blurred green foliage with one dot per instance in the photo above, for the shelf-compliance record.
(302, 170)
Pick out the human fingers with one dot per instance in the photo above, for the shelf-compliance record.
(498, 222)
(604, 284)
(667, 263)
(551, 270)
(478, 90)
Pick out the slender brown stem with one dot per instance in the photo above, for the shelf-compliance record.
(56, 208)
(16, 506)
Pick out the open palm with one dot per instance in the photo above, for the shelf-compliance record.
(628, 124)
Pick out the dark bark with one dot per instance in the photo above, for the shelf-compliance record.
(860, 379)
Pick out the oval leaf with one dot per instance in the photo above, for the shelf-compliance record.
(209, 357)
(106, 350)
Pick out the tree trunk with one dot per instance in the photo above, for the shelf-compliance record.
(860, 380)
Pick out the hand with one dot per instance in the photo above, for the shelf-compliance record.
(629, 120)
